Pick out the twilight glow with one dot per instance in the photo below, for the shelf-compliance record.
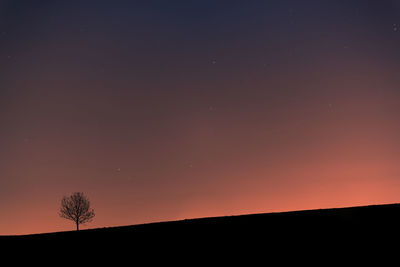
(165, 110)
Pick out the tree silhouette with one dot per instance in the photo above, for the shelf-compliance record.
(76, 208)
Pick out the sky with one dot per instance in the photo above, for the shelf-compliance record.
(166, 110)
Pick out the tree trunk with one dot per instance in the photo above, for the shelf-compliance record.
(77, 226)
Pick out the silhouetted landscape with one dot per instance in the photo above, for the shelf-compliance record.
(277, 233)
(114, 113)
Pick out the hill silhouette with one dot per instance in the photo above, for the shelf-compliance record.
(334, 231)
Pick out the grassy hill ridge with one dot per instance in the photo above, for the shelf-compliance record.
(362, 216)
(297, 231)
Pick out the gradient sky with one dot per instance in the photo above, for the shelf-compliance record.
(165, 110)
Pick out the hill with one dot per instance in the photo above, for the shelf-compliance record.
(290, 233)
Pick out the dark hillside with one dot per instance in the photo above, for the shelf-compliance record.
(328, 230)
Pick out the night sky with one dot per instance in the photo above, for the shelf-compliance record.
(166, 110)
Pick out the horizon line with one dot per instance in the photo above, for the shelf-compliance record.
(204, 218)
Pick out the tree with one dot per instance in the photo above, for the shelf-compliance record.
(76, 208)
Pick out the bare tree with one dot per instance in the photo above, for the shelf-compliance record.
(76, 208)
